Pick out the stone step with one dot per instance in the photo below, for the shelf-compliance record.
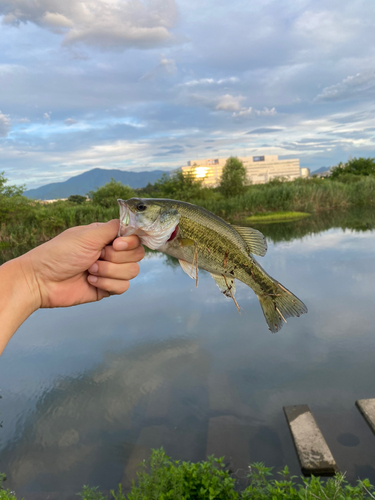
(367, 408)
(313, 452)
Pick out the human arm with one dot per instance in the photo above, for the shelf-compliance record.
(62, 273)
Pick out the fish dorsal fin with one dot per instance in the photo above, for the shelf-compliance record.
(225, 286)
(254, 239)
(188, 268)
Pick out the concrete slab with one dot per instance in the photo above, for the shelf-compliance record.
(367, 408)
(314, 455)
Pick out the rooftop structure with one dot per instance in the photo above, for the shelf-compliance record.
(259, 169)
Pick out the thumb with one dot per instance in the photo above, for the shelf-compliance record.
(103, 233)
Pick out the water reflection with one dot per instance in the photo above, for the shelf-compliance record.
(88, 391)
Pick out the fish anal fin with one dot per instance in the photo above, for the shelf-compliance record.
(254, 239)
(225, 285)
(190, 270)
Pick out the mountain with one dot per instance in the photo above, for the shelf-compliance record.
(90, 180)
(320, 170)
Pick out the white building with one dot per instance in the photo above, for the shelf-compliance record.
(260, 169)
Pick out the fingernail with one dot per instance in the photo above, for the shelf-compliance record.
(92, 279)
(122, 245)
(94, 268)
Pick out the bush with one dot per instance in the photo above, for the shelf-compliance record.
(77, 198)
(162, 478)
(107, 195)
(355, 166)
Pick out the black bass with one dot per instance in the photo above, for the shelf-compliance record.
(200, 239)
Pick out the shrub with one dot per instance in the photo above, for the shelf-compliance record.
(107, 195)
(233, 178)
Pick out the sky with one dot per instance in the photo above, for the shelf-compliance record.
(151, 84)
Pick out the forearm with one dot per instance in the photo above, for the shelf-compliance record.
(19, 297)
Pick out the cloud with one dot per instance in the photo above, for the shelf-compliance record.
(350, 88)
(257, 112)
(165, 67)
(209, 81)
(228, 102)
(47, 116)
(70, 121)
(5, 125)
(265, 130)
(101, 23)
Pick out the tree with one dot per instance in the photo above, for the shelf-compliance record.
(107, 195)
(77, 198)
(12, 203)
(178, 186)
(233, 179)
(355, 166)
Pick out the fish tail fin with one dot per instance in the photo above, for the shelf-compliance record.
(279, 306)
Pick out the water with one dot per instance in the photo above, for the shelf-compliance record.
(87, 391)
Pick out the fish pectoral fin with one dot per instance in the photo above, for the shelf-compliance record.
(188, 268)
(225, 284)
(186, 242)
(254, 239)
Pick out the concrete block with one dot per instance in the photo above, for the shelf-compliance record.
(314, 455)
(367, 408)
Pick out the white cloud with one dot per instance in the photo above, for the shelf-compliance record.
(350, 87)
(266, 112)
(5, 124)
(47, 116)
(229, 102)
(70, 121)
(258, 112)
(210, 81)
(102, 23)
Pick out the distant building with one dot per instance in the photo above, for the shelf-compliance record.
(260, 169)
(305, 172)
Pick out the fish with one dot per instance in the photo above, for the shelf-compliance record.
(200, 239)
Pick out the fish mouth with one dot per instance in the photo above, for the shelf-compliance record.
(127, 220)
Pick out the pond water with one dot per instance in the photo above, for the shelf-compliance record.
(88, 391)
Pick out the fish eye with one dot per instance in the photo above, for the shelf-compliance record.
(141, 207)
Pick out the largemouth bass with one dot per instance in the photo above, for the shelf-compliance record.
(200, 239)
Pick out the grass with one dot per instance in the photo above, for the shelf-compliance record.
(275, 217)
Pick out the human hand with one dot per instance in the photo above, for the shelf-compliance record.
(81, 265)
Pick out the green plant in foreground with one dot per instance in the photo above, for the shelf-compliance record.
(162, 478)
(5, 494)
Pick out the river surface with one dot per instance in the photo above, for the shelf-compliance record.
(88, 391)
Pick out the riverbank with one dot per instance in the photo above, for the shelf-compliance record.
(162, 477)
(28, 223)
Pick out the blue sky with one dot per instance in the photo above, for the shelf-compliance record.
(149, 84)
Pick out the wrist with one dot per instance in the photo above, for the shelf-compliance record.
(24, 289)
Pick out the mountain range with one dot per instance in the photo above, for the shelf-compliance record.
(91, 180)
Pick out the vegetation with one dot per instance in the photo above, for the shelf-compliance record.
(275, 217)
(352, 169)
(107, 195)
(25, 223)
(162, 478)
(233, 179)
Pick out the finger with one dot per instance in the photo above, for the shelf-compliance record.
(111, 286)
(102, 233)
(112, 255)
(126, 243)
(105, 269)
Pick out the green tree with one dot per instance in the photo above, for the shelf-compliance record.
(77, 198)
(11, 200)
(355, 166)
(107, 195)
(233, 179)
(178, 186)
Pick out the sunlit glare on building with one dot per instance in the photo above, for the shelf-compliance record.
(200, 172)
